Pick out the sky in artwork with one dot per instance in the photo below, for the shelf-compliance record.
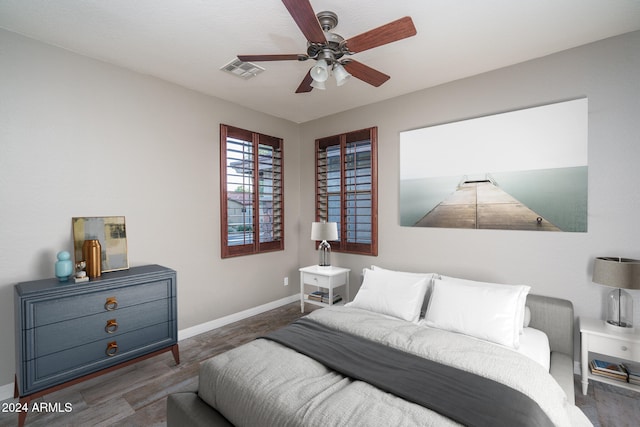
(545, 137)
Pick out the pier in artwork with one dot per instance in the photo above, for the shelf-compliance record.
(482, 204)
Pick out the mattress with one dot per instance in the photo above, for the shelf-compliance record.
(533, 343)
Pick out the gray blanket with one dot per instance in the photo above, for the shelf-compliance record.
(459, 395)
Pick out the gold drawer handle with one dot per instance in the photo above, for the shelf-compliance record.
(111, 304)
(111, 327)
(112, 349)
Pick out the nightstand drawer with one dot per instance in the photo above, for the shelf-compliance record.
(317, 280)
(614, 347)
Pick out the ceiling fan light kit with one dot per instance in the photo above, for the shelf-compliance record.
(318, 85)
(320, 72)
(329, 49)
(340, 74)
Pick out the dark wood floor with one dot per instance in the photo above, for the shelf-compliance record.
(136, 395)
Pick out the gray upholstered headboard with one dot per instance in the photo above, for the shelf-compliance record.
(553, 316)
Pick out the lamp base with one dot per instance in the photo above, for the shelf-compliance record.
(619, 311)
(625, 328)
(324, 254)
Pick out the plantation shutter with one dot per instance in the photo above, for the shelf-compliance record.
(251, 181)
(346, 189)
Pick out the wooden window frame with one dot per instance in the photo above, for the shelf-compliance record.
(323, 189)
(276, 184)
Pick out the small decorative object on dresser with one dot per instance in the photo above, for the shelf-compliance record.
(81, 275)
(92, 255)
(66, 333)
(64, 266)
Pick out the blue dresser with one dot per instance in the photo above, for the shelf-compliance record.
(67, 332)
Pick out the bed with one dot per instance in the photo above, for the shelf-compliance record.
(410, 350)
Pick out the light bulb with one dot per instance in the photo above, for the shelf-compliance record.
(320, 72)
(341, 74)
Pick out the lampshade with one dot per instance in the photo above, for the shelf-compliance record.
(324, 231)
(340, 74)
(320, 72)
(318, 85)
(617, 272)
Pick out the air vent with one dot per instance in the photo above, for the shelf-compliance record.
(244, 70)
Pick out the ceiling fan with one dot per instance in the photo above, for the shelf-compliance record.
(331, 51)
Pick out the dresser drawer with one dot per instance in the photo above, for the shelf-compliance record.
(614, 347)
(84, 304)
(60, 336)
(75, 362)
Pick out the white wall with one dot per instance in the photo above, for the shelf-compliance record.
(555, 264)
(79, 137)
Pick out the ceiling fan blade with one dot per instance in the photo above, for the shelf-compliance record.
(388, 33)
(279, 57)
(302, 12)
(305, 86)
(366, 73)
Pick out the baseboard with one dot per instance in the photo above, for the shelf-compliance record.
(217, 323)
(6, 391)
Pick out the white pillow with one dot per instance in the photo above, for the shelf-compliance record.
(487, 311)
(391, 294)
(521, 302)
(428, 276)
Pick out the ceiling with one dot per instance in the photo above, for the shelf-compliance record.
(188, 41)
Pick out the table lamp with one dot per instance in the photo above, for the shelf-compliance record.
(618, 273)
(324, 231)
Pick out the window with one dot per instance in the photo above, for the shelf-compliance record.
(346, 189)
(252, 205)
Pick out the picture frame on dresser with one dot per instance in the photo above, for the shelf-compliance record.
(111, 231)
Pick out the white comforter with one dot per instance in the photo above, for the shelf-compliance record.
(265, 384)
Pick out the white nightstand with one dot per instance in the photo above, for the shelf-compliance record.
(326, 278)
(596, 337)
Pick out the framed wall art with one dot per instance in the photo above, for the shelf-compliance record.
(112, 234)
(519, 170)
